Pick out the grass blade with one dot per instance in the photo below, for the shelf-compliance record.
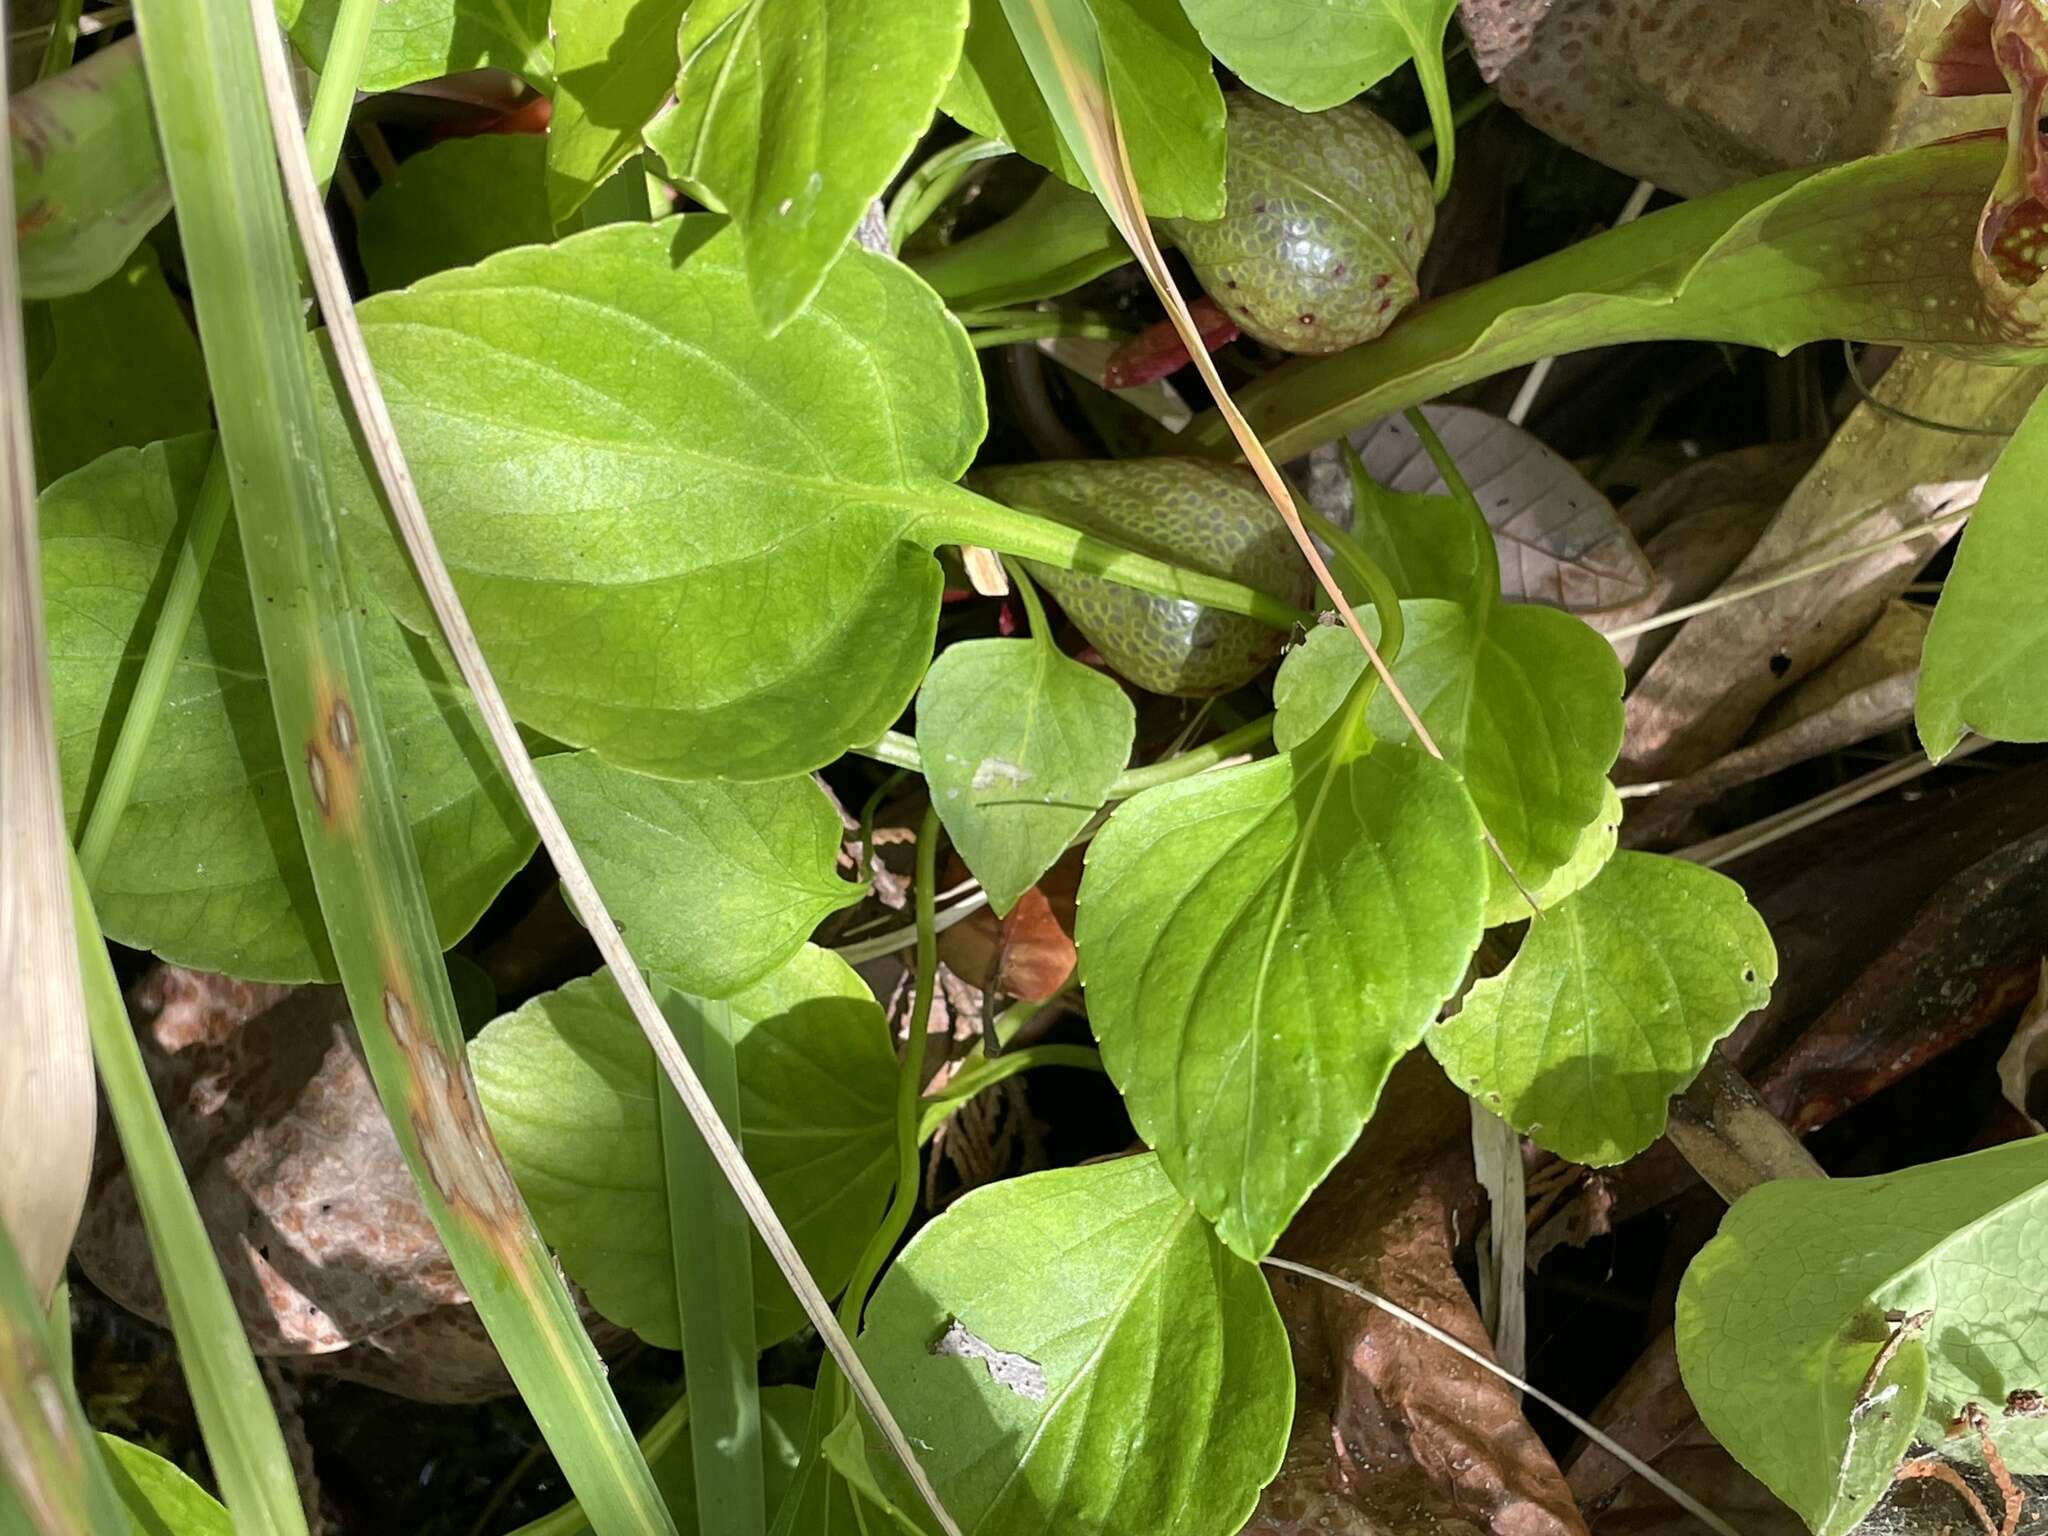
(374, 421)
(235, 1416)
(203, 65)
(52, 1481)
(46, 1092)
(714, 1261)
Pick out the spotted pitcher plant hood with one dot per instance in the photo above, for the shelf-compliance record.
(1991, 46)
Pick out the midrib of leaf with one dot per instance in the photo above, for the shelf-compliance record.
(715, 99)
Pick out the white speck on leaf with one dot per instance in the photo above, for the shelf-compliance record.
(999, 773)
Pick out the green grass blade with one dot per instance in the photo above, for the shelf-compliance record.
(46, 1095)
(52, 1481)
(329, 120)
(373, 419)
(714, 1260)
(204, 68)
(235, 1416)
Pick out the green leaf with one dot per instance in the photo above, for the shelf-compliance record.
(1314, 56)
(1260, 946)
(1611, 1006)
(415, 40)
(1316, 677)
(1782, 1315)
(1165, 90)
(207, 868)
(1878, 249)
(89, 181)
(568, 1084)
(668, 534)
(1524, 701)
(1596, 845)
(1073, 1351)
(125, 371)
(1020, 745)
(457, 202)
(615, 63)
(1985, 664)
(793, 117)
(1059, 239)
(716, 884)
(160, 1499)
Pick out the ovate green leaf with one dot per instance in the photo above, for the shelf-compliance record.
(1314, 56)
(1020, 745)
(1782, 1315)
(1597, 841)
(160, 1499)
(568, 1084)
(792, 117)
(1316, 677)
(1260, 946)
(124, 371)
(1985, 666)
(714, 884)
(415, 40)
(1611, 1006)
(1074, 1351)
(1524, 701)
(1166, 98)
(206, 868)
(458, 202)
(671, 531)
(615, 63)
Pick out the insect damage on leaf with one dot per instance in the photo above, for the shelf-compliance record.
(1019, 1373)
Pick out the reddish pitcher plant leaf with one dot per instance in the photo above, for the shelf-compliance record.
(2010, 256)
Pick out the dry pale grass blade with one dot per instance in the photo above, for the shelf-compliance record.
(46, 1083)
(1059, 42)
(374, 420)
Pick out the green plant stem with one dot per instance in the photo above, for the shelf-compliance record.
(1034, 606)
(1425, 138)
(971, 519)
(909, 1084)
(62, 45)
(927, 187)
(196, 546)
(984, 1073)
(900, 751)
(335, 97)
(1039, 330)
(1352, 556)
(713, 1247)
(201, 536)
(215, 124)
(1488, 575)
(243, 1441)
(52, 1479)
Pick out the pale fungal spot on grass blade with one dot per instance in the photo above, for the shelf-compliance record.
(1018, 1373)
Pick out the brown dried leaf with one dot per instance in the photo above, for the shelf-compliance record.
(1878, 476)
(1863, 692)
(1391, 1425)
(1560, 541)
(1696, 528)
(2023, 1066)
(1700, 94)
(313, 1214)
(1037, 953)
